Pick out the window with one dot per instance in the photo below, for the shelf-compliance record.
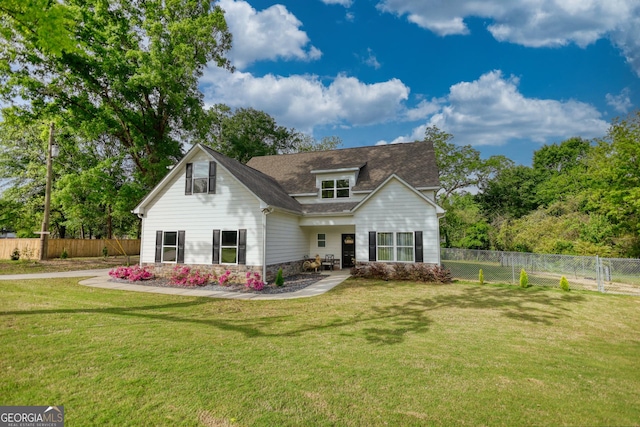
(322, 240)
(200, 177)
(332, 189)
(170, 246)
(229, 247)
(395, 247)
(404, 247)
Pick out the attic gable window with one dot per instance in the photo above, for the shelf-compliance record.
(200, 178)
(332, 189)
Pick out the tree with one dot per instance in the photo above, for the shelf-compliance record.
(614, 166)
(247, 132)
(39, 24)
(134, 76)
(511, 193)
(461, 167)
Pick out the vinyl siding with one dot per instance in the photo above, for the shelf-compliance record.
(397, 208)
(232, 207)
(286, 241)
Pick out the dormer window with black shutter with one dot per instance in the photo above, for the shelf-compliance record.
(200, 177)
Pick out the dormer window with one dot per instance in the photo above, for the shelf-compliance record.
(335, 188)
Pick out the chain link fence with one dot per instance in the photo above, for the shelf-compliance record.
(613, 275)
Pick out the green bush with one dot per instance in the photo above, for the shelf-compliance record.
(524, 279)
(64, 254)
(481, 277)
(564, 283)
(15, 255)
(105, 251)
(279, 278)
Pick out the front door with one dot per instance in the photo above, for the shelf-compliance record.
(348, 250)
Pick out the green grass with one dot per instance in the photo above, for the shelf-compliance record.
(365, 354)
(24, 266)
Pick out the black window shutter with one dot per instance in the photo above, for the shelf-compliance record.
(180, 258)
(188, 182)
(372, 245)
(159, 246)
(242, 247)
(418, 242)
(216, 247)
(212, 177)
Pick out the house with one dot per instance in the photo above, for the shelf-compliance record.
(358, 204)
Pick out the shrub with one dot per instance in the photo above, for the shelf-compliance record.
(419, 272)
(564, 283)
(225, 278)
(481, 277)
(105, 251)
(64, 254)
(254, 281)
(183, 276)
(15, 255)
(524, 279)
(279, 278)
(378, 270)
(400, 272)
(132, 274)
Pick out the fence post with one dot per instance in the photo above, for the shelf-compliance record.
(599, 275)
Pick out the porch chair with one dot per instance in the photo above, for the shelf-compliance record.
(328, 261)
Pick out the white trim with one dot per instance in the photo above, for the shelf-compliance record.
(303, 194)
(354, 169)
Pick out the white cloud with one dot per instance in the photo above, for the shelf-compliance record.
(533, 23)
(621, 102)
(345, 3)
(371, 59)
(491, 111)
(306, 101)
(269, 34)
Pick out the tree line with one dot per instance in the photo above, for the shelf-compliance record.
(578, 197)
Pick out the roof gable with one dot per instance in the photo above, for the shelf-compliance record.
(262, 186)
(414, 162)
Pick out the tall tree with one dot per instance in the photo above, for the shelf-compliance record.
(247, 132)
(615, 169)
(134, 76)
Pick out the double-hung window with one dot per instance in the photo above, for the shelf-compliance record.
(169, 246)
(229, 247)
(322, 240)
(335, 188)
(200, 178)
(395, 246)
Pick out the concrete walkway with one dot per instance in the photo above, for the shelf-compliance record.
(102, 280)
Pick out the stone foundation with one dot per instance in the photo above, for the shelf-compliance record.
(288, 269)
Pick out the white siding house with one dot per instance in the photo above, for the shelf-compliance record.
(356, 205)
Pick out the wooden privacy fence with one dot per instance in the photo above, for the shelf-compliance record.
(30, 248)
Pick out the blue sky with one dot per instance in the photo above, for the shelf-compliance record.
(503, 76)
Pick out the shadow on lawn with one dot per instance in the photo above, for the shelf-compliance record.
(392, 322)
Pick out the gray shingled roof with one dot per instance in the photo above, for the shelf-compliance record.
(414, 162)
(263, 186)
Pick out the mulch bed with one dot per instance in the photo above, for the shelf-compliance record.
(291, 284)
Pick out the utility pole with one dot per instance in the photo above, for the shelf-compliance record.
(44, 232)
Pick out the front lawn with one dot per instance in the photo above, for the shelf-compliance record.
(24, 266)
(366, 353)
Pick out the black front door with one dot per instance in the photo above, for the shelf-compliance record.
(348, 250)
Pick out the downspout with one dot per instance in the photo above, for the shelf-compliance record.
(141, 216)
(265, 211)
